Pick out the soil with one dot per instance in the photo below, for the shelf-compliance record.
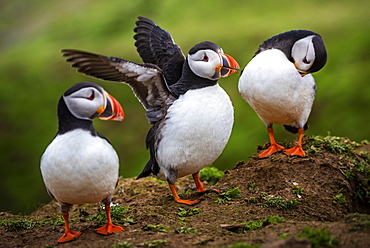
(218, 224)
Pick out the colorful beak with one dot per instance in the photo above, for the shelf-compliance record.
(113, 110)
(229, 66)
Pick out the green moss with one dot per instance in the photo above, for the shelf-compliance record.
(155, 228)
(154, 243)
(358, 222)
(13, 225)
(316, 144)
(318, 237)
(211, 174)
(156, 180)
(124, 244)
(253, 225)
(283, 236)
(358, 162)
(278, 201)
(242, 245)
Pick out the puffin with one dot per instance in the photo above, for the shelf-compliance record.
(80, 165)
(191, 116)
(278, 85)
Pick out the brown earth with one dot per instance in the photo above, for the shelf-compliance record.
(218, 224)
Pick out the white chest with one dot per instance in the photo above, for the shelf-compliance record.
(80, 168)
(197, 130)
(273, 87)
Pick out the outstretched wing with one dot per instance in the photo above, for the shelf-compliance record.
(146, 80)
(156, 46)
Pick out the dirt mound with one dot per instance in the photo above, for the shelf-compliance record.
(265, 203)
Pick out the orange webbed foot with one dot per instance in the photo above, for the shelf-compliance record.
(69, 236)
(187, 202)
(295, 151)
(109, 229)
(271, 150)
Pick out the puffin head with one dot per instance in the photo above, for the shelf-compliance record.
(87, 101)
(308, 53)
(207, 60)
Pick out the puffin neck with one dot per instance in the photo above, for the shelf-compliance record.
(68, 122)
(190, 81)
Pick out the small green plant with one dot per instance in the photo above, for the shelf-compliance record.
(116, 214)
(297, 190)
(338, 198)
(156, 180)
(186, 230)
(183, 220)
(226, 197)
(252, 186)
(251, 200)
(211, 174)
(48, 246)
(188, 212)
(124, 244)
(358, 222)
(154, 243)
(253, 225)
(283, 236)
(318, 237)
(156, 228)
(278, 201)
(202, 242)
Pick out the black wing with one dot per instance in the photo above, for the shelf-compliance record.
(146, 80)
(156, 46)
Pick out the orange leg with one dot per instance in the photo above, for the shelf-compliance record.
(274, 147)
(297, 150)
(109, 228)
(177, 198)
(198, 183)
(68, 234)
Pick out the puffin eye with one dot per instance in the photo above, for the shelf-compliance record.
(205, 58)
(306, 61)
(92, 96)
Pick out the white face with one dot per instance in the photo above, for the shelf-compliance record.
(85, 103)
(206, 64)
(303, 53)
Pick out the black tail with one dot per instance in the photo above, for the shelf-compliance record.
(295, 129)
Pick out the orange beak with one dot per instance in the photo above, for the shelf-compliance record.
(230, 66)
(113, 110)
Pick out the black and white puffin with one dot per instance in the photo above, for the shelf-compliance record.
(79, 165)
(278, 85)
(190, 114)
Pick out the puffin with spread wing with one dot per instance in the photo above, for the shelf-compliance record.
(190, 114)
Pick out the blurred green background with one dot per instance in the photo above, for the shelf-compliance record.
(33, 73)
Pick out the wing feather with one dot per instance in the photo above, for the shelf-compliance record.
(146, 80)
(156, 46)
